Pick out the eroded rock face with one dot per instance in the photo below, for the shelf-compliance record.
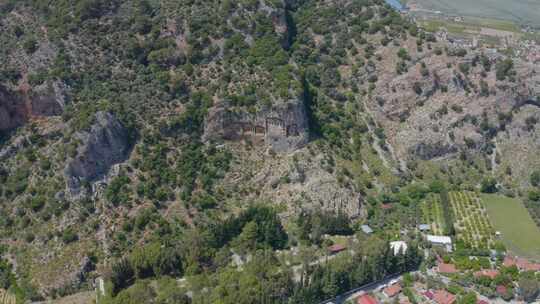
(284, 128)
(105, 144)
(47, 99)
(13, 112)
(16, 108)
(441, 111)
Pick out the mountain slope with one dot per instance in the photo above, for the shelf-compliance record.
(131, 123)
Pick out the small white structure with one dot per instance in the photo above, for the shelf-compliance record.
(424, 227)
(398, 247)
(441, 240)
(366, 229)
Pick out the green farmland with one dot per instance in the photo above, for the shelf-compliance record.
(519, 232)
(524, 12)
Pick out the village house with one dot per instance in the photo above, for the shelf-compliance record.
(521, 263)
(490, 273)
(443, 297)
(398, 247)
(366, 299)
(336, 248)
(440, 240)
(428, 294)
(366, 229)
(386, 206)
(509, 261)
(392, 290)
(502, 290)
(446, 268)
(424, 227)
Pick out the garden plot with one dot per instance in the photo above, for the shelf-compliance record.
(432, 213)
(471, 224)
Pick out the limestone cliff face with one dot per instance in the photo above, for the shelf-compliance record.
(13, 112)
(105, 144)
(440, 112)
(284, 127)
(47, 99)
(16, 108)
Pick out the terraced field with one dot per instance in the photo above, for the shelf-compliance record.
(472, 223)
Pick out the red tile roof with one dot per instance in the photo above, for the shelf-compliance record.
(509, 261)
(393, 290)
(501, 289)
(386, 206)
(522, 263)
(534, 267)
(336, 248)
(490, 273)
(526, 265)
(444, 297)
(366, 299)
(446, 268)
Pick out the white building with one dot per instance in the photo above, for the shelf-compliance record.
(398, 247)
(440, 240)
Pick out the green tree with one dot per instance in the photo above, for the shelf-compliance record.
(535, 178)
(488, 185)
(529, 288)
(247, 240)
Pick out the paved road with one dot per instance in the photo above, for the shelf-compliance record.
(365, 288)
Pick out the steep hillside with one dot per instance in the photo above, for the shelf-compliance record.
(147, 138)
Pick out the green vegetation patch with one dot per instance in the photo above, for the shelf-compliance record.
(509, 216)
(518, 11)
(471, 220)
(432, 213)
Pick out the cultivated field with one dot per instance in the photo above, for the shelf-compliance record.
(519, 232)
(432, 213)
(471, 220)
(524, 12)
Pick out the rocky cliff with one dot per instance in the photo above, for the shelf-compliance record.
(105, 144)
(284, 127)
(13, 112)
(16, 108)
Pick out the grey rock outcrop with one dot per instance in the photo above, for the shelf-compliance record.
(428, 151)
(48, 99)
(105, 144)
(284, 127)
(17, 107)
(13, 112)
